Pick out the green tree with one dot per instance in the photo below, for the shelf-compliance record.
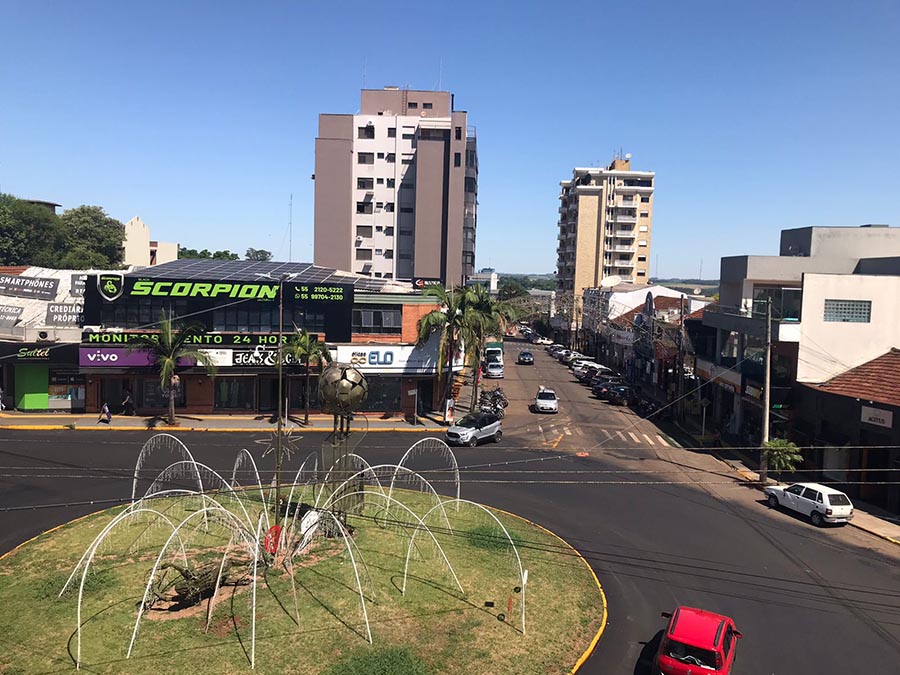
(92, 237)
(258, 254)
(483, 316)
(445, 321)
(168, 347)
(14, 245)
(304, 348)
(206, 254)
(782, 455)
(510, 289)
(46, 238)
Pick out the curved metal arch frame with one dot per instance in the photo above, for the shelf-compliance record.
(177, 448)
(443, 449)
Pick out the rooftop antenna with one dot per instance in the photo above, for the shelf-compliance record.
(365, 71)
(701, 270)
(440, 72)
(657, 266)
(291, 229)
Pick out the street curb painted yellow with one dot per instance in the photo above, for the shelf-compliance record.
(54, 427)
(596, 639)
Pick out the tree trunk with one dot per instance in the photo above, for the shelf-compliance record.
(306, 412)
(171, 400)
(476, 378)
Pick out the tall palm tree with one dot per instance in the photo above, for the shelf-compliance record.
(305, 348)
(447, 322)
(168, 347)
(483, 316)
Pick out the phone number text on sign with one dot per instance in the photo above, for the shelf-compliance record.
(320, 293)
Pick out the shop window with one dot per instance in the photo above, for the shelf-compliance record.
(151, 395)
(848, 311)
(384, 394)
(235, 393)
(377, 319)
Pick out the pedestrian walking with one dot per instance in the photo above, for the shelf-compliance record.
(105, 414)
(127, 404)
(2, 406)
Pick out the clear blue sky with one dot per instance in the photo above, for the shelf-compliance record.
(201, 116)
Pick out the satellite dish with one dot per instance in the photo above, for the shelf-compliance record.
(627, 155)
(609, 282)
(698, 291)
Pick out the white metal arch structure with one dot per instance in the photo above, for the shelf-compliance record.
(162, 443)
(428, 446)
(85, 563)
(237, 529)
(418, 525)
(522, 576)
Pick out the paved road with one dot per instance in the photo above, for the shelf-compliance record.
(657, 531)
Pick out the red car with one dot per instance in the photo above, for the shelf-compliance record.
(697, 642)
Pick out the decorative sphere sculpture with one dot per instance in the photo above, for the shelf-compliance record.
(342, 389)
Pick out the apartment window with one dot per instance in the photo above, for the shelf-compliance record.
(457, 159)
(407, 160)
(645, 200)
(363, 230)
(643, 228)
(642, 258)
(434, 134)
(363, 254)
(390, 158)
(458, 132)
(379, 206)
(642, 242)
(645, 214)
(367, 131)
(378, 251)
(628, 198)
(389, 254)
(377, 275)
(470, 158)
(391, 182)
(378, 228)
(365, 183)
(389, 207)
(471, 184)
(388, 275)
(412, 105)
(428, 106)
(392, 132)
(365, 158)
(406, 209)
(848, 311)
(380, 155)
(377, 319)
(389, 232)
(407, 186)
(364, 207)
(380, 181)
(641, 273)
(408, 137)
(405, 232)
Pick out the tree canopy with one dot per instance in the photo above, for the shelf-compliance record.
(206, 254)
(258, 254)
(83, 237)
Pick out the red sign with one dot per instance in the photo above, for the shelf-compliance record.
(273, 536)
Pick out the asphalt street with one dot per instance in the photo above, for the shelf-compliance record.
(657, 530)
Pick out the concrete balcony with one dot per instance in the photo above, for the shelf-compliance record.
(621, 218)
(632, 189)
(620, 249)
(749, 323)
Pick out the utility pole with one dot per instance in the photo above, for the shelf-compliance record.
(279, 449)
(679, 370)
(763, 458)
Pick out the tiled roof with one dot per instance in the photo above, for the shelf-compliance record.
(878, 380)
(13, 269)
(661, 303)
(697, 315)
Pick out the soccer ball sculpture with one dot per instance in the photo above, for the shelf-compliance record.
(342, 389)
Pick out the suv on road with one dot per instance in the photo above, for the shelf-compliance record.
(822, 504)
(526, 358)
(473, 428)
(545, 401)
(697, 642)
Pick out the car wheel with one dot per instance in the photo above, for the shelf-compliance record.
(498, 436)
(473, 441)
(816, 518)
(773, 502)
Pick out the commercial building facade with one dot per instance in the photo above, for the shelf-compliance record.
(397, 188)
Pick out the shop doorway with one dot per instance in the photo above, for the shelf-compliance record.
(875, 464)
(112, 392)
(425, 396)
(268, 393)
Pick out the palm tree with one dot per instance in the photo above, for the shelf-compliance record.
(447, 322)
(169, 347)
(782, 455)
(482, 316)
(305, 348)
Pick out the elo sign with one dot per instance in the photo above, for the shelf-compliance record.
(372, 358)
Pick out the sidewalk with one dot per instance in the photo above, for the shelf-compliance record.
(17, 421)
(867, 517)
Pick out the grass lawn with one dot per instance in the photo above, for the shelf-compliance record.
(315, 625)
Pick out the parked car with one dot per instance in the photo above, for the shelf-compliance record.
(571, 356)
(697, 641)
(494, 369)
(473, 428)
(620, 394)
(554, 350)
(606, 376)
(526, 358)
(541, 340)
(545, 401)
(577, 363)
(601, 386)
(587, 373)
(822, 504)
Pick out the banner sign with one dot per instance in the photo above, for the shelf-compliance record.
(104, 357)
(235, 340)
(877, 416)
(9, 314)
(33, 354)
(79, 282)
(420, 283)
(28, 287)
(64, 314)
(397, 359)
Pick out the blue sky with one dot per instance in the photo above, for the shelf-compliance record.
(201, 116)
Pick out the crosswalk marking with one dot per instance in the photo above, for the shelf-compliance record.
(568, 433)
(622, 436)
(662, 441)
(649, 440)
(608, 435)
(633, 437)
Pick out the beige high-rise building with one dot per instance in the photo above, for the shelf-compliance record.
(397, 188)
(605, 226)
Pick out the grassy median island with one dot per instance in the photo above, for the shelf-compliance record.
(433, 628)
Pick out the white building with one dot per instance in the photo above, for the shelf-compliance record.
(141, 251)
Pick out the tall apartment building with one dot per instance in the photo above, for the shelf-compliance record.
(605, 225)
(397, 187)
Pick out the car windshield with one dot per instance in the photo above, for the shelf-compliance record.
(838, 500)
(546, 396)
(526, 355)
(468, 422)
(689, 654)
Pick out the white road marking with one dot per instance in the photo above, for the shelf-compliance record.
(649, 440)
(633, 437)
(608, 435)
(622, 436)
(568, 433)
(662, 441)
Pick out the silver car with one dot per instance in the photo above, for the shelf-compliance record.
(545, 401)
(473, 428)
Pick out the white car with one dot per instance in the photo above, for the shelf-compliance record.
(494, 369)
(580, 363)
(543, 341)
(545, 401)
(822, 504)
